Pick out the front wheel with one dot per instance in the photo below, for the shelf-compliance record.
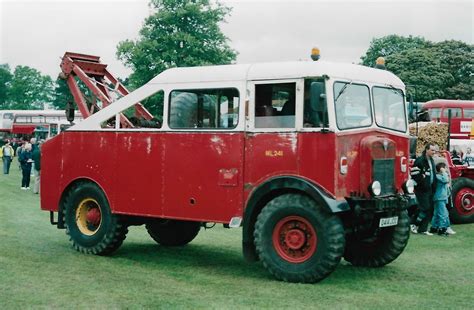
(91, 226)
(382, 247)
(298, 241)
(463, 200)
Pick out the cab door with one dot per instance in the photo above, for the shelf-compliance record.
(203, 155)
(272, 140)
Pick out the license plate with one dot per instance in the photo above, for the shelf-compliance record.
(388, 221)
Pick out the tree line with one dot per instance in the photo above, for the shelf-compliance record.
(186, 33)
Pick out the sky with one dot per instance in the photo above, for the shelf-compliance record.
(36, 33)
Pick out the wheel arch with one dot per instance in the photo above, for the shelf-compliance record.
(65, 192)
(275, 187)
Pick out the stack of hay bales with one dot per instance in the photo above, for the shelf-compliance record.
(431, 132)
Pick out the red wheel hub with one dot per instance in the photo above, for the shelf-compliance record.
(93, 216)
(464, 200)
(294, 239)
(88, 216)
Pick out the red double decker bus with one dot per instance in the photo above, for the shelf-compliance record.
(462, 112)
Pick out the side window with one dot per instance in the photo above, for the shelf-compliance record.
(455, 112)
(468, 113)
(435, 113)
(275, 105)
(204, 108)
(134, 117)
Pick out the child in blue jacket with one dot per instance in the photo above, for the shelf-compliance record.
(440, 222)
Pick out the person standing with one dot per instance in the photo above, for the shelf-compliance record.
(440, 223)
(19, 149)
(468, 158)
(26, 161)
(423, 173)
(36, 156)
(7, 153)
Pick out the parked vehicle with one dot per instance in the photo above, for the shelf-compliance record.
(273, 148)
(462, 210)
(42, 124)
(462, 112)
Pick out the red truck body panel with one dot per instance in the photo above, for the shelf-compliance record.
(207, 176)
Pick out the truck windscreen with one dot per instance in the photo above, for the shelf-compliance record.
(389, 107)
(352, 105)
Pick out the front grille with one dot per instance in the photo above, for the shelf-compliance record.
(383, 171)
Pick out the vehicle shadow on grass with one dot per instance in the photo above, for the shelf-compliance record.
(230, 262)
(195, 256)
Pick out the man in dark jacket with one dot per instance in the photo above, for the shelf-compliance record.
(424, 174)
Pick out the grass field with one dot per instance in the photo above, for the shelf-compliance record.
(39, 269)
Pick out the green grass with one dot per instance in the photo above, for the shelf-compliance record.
(39, 269)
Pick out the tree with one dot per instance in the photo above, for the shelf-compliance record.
(29, 89)
(435, 70)
(179, 33)
(390, 45)
(421, 69)
(62, 94)
(458, 58)
(5, 78)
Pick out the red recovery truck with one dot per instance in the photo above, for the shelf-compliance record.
(309, 158)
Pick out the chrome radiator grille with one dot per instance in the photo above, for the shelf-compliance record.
(383, 171)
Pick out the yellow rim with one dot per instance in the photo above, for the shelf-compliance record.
(84, 209)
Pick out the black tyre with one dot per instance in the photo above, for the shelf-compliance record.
(172, 232)
(383, 247)
(463, 201)
(298, 241)
(91, 226)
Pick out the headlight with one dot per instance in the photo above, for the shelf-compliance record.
(409, 186)
(375, 188)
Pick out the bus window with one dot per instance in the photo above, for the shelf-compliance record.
(435, 113)
(455, 112)
(468, 113)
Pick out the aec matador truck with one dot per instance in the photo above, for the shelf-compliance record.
(308, 158)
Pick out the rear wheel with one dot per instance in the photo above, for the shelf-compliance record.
(383, 247)
(91, 226)
(463, 201)
(297, 241)
(173, 232)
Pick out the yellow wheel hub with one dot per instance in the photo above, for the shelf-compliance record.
(88, 216)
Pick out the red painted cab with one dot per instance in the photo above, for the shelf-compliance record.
(309, 158)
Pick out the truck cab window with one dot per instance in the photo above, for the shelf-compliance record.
(275, 105)
(390, 109)
(352, 102)
(204, 108)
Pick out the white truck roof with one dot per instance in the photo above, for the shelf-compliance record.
(278, 70)
(240, 74)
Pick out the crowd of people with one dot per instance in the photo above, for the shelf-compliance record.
(29, 159)
(433, 191)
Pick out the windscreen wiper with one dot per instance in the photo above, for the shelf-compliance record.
(343, 89)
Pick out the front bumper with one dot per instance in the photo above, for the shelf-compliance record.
(379, 204)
